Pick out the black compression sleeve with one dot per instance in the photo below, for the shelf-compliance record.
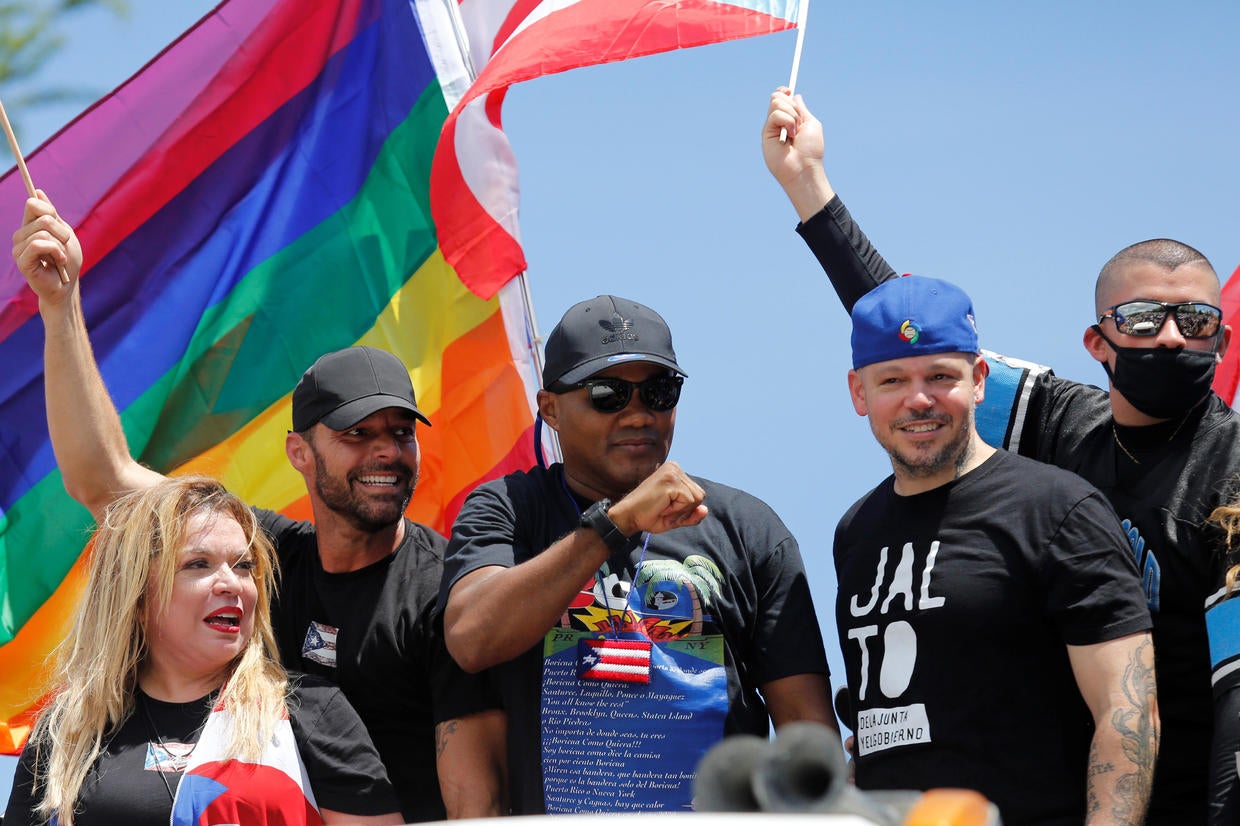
(845, 253)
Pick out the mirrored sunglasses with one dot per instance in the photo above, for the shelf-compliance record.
(611, 395)
(1145, 318)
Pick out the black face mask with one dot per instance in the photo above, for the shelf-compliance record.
(1161, 382)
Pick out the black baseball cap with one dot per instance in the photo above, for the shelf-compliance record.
(603, 331)
(344, 387)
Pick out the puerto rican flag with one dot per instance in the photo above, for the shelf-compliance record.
(626, 661)
(481, 47)
(1227, 376)
(320, 644)
(275, 791)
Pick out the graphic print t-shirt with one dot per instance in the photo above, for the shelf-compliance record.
(735, 584)
(953, 613)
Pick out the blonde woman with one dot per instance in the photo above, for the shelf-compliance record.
(170, 705)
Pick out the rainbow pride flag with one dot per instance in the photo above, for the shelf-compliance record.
(256, 196)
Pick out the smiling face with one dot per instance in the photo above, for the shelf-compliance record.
(609, 454)
(921, 412)
(365, 474)
(209, 616)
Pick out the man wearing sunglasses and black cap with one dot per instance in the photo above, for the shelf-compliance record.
(1161, 446)
(358, 584)
(629, 614)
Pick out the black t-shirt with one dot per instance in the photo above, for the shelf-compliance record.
(1184, 470)
(758, 601)
(373, 633)
(341, 763)
(955, 607)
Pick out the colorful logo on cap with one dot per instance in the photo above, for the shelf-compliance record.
(910, 332)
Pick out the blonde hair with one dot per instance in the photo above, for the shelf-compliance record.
(136, 554)
(1227, 517)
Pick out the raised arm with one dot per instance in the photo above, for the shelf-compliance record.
(1116, 678)
(481, 629)
(796, 162)
(849, 259)
(86, 432)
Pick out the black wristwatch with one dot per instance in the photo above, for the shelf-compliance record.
(595, 517)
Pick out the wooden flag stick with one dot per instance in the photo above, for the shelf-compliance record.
(21, 165)
(802, 16)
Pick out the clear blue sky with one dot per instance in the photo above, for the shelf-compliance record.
(1011, 149)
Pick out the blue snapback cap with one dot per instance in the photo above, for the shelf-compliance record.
(912, 316)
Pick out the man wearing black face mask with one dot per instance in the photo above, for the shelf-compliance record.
(1158, 370)
(1158, 443)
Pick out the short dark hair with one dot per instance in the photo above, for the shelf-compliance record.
(1163, 252)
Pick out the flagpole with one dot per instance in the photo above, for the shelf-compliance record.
(461, 36)
(21, 165)
(462, 40)
(802, 16)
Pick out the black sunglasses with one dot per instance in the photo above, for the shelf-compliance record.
(611, 395)
(1145, 317)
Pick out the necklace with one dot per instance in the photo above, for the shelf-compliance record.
(1127, 452)
(1170, 439)
(178, 754)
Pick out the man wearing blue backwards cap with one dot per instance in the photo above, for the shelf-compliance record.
(994, 630)
(630, 615)
(1157, 441)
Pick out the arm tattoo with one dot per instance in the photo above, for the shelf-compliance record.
(1096, 769)
(442, 732)
(1139, 738)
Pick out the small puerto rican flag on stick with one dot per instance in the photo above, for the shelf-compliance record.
(626, 661)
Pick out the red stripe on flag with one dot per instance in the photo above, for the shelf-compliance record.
(625, 661)
(520, 10)
(471, 224)
(275, 62)
(1227, 376)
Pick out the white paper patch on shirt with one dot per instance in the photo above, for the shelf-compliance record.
(320, 644)
(887, 728)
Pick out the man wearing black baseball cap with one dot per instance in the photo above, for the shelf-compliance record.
(344, 387)
(358, 584)
(628, 613)
(994, 630)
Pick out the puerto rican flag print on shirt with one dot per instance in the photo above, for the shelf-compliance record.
(320, 644)
(626, 661)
